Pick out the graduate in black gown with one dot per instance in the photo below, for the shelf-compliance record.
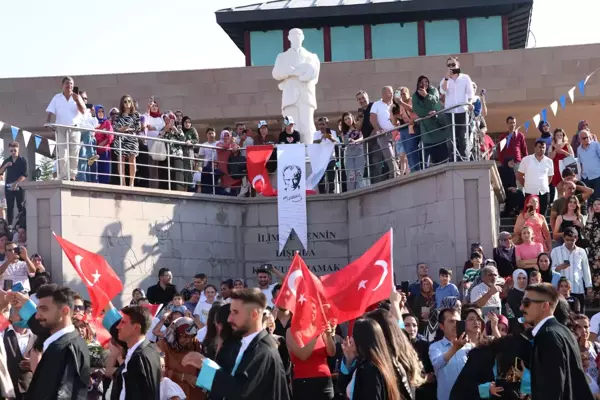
(258, 373)
(63, 373)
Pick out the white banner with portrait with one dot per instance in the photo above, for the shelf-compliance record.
(291, 193)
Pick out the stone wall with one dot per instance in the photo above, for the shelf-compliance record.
(435, 214)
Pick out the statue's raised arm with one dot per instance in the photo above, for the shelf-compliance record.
(297, 71)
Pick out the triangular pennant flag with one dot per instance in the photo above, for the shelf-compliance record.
(581, 85)
(563, 101)
(26, 137)
(572, 94)
(51, 146)
(526, 125)
(544, 114)
(587, 78)
(536, 120)
(1, 125)
(554, 107)
(38, 141)
(15, 132)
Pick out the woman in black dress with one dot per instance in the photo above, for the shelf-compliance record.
(127, 147)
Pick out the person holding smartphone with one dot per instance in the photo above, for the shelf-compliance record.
(17, 266)
(15, 168)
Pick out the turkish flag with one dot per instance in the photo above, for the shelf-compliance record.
(101, 281)
(4, 322)
(287, 295)
(256, 161)
(154, 309)
(102, 335)
(363, 282)
(309, 318)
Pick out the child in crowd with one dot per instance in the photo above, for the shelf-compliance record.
(535, 278)
(472, 273)
(168, 388)
(446, 287)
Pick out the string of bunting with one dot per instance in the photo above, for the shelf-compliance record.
(39, 141)
(562, 101)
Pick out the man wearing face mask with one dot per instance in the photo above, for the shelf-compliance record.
(458, 89)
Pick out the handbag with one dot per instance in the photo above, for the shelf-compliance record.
(158, 151)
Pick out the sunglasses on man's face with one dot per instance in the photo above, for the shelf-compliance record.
(526, 302)
(78, 308)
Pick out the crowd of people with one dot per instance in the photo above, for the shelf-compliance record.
(407, 133)
(517, 337)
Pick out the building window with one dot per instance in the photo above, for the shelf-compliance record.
(347, 43)
(484, 34)
(313, 42)
(442, 37)
(264, 47)
(395, 40)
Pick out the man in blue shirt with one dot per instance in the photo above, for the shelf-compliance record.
(589, 157)
(449, 355)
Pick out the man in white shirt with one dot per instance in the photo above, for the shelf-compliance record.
(572, 263)
(535, 174)
(264, 277)
(381, 120)
(458, 89)
(13, 268)
(67, 108)
(326, 135)
(486, 295)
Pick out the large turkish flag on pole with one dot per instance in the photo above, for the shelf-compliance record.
(256, 162)
(101, 281)
(363, 282)
(287, 295)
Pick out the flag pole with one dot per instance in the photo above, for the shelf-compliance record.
(393, 272)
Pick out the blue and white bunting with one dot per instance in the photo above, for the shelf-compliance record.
(581, 85)
(15, 132)
(544, 114)
(563, 101)
(526, 125)
(38, 141)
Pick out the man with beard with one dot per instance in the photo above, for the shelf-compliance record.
(64, 370)
(556, 367)
(258, 372)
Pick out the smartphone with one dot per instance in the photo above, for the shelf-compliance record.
(460, 328)
(268, 267)
(530, 209)
(89, 106)
(18, 250)
(567, 262)
(404, 286)
(17, 287)
(455, 71)
(76, 89)
(8, 284)
(483, 91)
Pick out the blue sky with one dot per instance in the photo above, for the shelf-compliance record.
(74, 37)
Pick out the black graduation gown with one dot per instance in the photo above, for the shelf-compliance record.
(259, 376)
(63, 372)
(142, 378)
(556, 369)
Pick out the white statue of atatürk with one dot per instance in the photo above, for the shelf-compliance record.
(297, 69)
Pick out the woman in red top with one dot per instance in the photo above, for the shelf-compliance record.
(312, 377)
(559, 150)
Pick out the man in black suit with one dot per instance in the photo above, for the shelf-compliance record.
(141, 373)
(63, 373)
(258, 372)
(556, 368)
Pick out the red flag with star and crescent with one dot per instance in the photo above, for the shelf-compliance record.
(101, 281)
(309, 317)
(362, 283)
(256, 162)
(287, 295)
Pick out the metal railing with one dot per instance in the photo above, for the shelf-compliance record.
(183, 160)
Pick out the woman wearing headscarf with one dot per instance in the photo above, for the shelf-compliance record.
(136, 295)
(154, 123)
(515, 295)
(191, 138)
(544, 263)
(434, 132)
(424, 303)
(103, 143)
(546, 135)
(179, 341)
(174, 161)
(226, 146)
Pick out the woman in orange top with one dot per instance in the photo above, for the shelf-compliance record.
(179, 341)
